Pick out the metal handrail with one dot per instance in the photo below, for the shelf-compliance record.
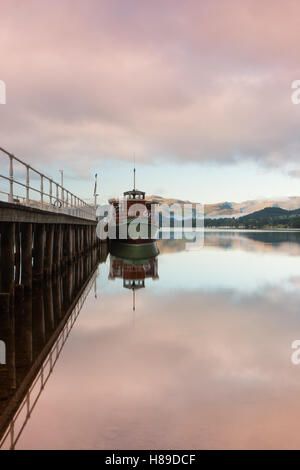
(66, 199)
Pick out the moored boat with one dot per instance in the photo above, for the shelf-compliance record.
(134, 218)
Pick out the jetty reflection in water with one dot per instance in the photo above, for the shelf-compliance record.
(34, 333)
(206, 365)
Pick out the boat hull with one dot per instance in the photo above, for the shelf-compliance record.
(146, 232)
(133, 251)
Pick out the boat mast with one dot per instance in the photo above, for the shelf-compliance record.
(133, 306)
(133, 298)
(134, 175)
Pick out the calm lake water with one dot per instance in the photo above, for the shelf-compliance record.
(203, 362)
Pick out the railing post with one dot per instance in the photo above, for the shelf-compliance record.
(50, 191)
(42, 190)
(62, 196)
(11, 179)
(12, 435)
(51, 361)
(42, 377)
(57, 193)
(27, 184)
(28, 405)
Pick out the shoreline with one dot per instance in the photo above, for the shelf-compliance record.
(233, 229)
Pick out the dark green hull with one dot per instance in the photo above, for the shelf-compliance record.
(136, 251)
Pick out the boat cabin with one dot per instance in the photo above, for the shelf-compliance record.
(134, 194)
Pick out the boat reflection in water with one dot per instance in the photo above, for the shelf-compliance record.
(34, 331)
(134, 265)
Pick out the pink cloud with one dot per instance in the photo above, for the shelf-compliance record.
(183, 81)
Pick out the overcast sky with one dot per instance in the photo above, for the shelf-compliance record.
(199, 91)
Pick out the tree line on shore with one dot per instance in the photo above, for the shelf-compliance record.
(270, 217)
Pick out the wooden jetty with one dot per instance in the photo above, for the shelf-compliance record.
(43, 227)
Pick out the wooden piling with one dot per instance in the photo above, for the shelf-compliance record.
(39, 252)
(27, 326)
(26, 247)
(57, 248)
(7, 256)
(48, 302)
(4, 305)
(38, 320)
(49, 250)
(69, 244)
(18, 253)
(56, 299)
(81, 241)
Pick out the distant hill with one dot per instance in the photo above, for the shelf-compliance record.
(239, 209)
(267, 217)
(268, 212)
